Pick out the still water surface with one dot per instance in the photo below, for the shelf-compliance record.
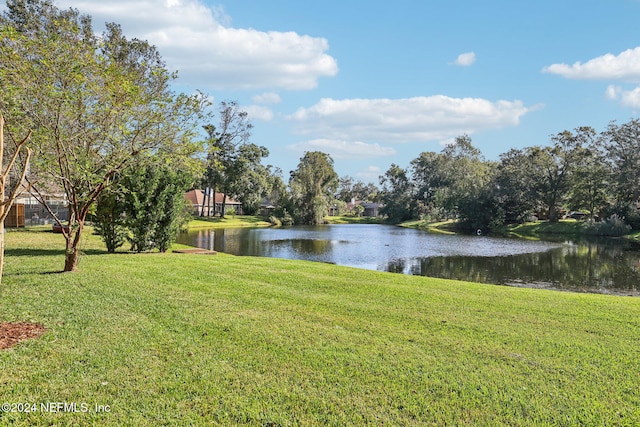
(591, 266)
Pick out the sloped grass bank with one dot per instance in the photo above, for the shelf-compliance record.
(347, 219)
(542, 228)
(172, 339)
(228, 221)
(441, 227)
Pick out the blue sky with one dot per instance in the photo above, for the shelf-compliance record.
(377, 82)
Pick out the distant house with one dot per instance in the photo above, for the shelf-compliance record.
(196, 199)
(370, 209)
(15, 217)
(266, 207)
(27, 210)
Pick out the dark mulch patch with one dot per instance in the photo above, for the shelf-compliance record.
(11, 333)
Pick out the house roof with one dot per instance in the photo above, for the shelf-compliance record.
(50, 192)
(370, 205)
(196, 197)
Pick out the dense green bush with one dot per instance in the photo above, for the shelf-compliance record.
(154, 206)
(627, 212)
(286, 219)
(275, 221)
(110, 220)
(614, 226)
(147, 208)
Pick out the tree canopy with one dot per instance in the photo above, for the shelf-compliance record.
(94, 103)
(234, 163)
(312, 186)
(579, 170)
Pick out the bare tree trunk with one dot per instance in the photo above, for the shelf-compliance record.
(224, 204)
(5, 205)
(1, 245)
(3, 208)
(204, 201)
(72, 251)
(213, 189)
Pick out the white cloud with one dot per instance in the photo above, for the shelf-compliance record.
(267, 98)
(371, 173)
(631, 98)
(339, 149)
(612, 92)
(628, 98)
(625, 67)
(404, 120)
(200, 43)
(465, 59)
(259, 112)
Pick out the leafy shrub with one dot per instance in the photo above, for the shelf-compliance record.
(613, 226)
(275, 221)
(627, 212)
(287, 219)
(147, 208)
(109, 220)
(154, 206)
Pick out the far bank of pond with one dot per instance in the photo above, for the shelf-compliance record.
(584, 265)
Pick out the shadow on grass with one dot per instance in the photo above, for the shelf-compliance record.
(21, 252)
(47, 252)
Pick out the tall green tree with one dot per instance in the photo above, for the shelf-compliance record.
(312, 186)
(464, 173)
(230, 152)
(481, 210)
(447, 183)
(516, 186)
(553, 166)
(590, 181)
(430, 180)
(345, 188)
(276, 190)
(248, 177)
(94, 103)
(349, 188)
(397, 194)
(623, 151)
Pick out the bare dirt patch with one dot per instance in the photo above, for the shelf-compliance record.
(11, 333)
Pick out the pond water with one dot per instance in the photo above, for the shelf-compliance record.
(611, 266)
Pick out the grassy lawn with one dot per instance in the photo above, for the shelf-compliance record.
(634, 236)
(535, 229)
(529, 230)
(172, 339)
(443, 227)
(229, 221)
(348, 219)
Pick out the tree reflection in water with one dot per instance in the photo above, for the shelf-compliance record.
(587, 267)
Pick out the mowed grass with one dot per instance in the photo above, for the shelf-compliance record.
(175, 339)
(537, 228)
(347, 219)
(228, 221)
(440, 227)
